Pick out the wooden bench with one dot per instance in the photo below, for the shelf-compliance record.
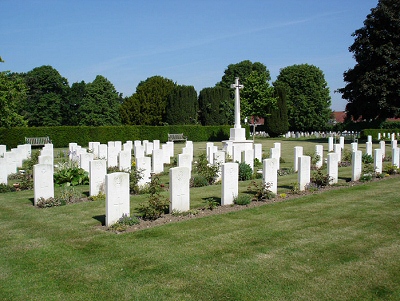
(176, 137)
(37, 141)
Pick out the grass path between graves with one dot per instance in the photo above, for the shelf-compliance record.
(338, 245)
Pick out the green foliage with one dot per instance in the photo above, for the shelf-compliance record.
(391, 169)
(47, 91)
(135, 176)
(367, 159)
(257, 96)
(372, 88)
(124, 222)
(156, 205)
(13, 94)
(261, 191)
(242, 200)
(215, 106)
(98, 198)
(245, 172)
(82, 135)
(50, 202)
(182, 105)
(100, 104)
(198, 181)
(211, 203)
(276, 121)
(308, 97)
(4, 188)
(70, 174)
(320, 179)
(148, 105)
(314, 158)
(209, 172)
(69, 195)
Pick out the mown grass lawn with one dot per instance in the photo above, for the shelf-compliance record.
(337, 245)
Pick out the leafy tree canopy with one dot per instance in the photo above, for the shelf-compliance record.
(47, 90)
(373, 85)
(182, 105)
(215, 106)
(12, 96)
(307, 96)
(101, 104)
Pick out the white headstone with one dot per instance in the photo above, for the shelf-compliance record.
(112, 156)
(179, 192)
(298, 152)
(383, 148)
(354, 146)
(368, 146)
(333, 172)
(338, 149)
(184, 160)
(395, 157)
(170, 145)
(3, 171)
(378, 160)
(330, 144)
(304, 174)
(270, 174)
(117, 197)
(138, 151)
(97, 176)
(3, 149)
(148, 149)
(103, 152)
(143, 164)
(356, 165)
(84, 161)
(125, 160)
(319, 151)
(166, 152)
(258, 151)
(278, 146)
(237, 152)
(369, 138)
(11, 162)
(230, 184)
(248, 158)
(156, 144)
(341, 142)
(157, 161)
(275, 153)
(45, 160)
(43, 185)
(118, 145)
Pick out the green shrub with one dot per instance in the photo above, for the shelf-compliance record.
(245, 172)
(242, 200)
(6, 188)
(320, 179)
(157, 205)
(50, 202)
(367, 159)
(391, 169)
(69, 195)
(135, 176)
(198, 181)
(209, 172)
(212, 204)
(70, 174)
(124, 222)
(99, 197)
(261, 191)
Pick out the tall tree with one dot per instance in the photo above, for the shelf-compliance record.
(373, 85)
(257, 95)
(182, 105)
(47, 90)
(215, 106)
(276, 121)
(71, 106)
(12, 97)
(242, 70)
(308, 97)
(152, 97)
(130, 110)
(100, 105)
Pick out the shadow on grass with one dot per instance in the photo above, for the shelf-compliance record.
(101, 219)
(87, 193)
(32, 201)
(212, 199)
(345, 178)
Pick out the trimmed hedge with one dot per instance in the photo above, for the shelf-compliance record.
(374, 133)
(62, 135)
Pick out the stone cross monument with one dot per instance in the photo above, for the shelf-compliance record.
(237, 133)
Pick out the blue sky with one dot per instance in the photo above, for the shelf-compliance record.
(189, 42)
